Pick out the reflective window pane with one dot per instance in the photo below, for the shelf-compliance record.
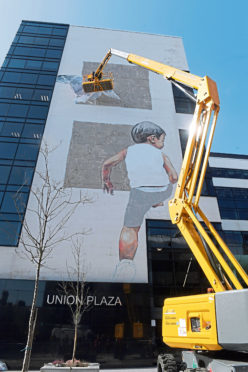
(9, 233)
(33, 131)
(43, 95)
(7, 92)
(11, 129)
(53, 66)
(18, 110)
(28, 78)
(38, 112)
(14, 202)
(4, 174)
(4, 107)
(22, 51)
(53, 53)
(7, 150)
(56, 42)
(41, 41)
(21, 176)
(59, 31)
(26, 39)
(11, 77)
(33, 64)
(23, 93)
(27, 152)
(37, 52)
(31, 29)
(46, 80)
(45, 30)
(17, 63)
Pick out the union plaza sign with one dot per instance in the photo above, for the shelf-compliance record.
(89, 300)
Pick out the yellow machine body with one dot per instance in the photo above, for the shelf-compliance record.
(190, 322)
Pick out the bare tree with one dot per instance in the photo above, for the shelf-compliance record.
(76, 287)
(44, 227)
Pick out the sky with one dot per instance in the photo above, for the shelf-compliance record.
(214, 33)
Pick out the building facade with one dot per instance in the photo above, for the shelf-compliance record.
(41, 98)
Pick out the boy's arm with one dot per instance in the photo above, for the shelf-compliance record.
(169, 169)
(107, 167)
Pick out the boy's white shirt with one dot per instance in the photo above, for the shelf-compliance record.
(145, 169)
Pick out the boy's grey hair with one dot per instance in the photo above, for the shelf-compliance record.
(144, 129)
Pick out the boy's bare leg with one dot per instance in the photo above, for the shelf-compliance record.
(128, 242)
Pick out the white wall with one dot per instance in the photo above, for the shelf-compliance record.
(104, 217)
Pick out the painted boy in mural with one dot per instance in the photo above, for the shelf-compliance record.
(151, 176)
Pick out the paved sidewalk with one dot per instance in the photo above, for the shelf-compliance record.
(145, 369)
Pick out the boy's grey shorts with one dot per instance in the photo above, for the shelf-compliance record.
(140, 202)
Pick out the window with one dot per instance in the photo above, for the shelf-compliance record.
(17, 63)
(14, 202)
(228, 214)
(33, 64)
(27, 152)
(45, 30)
(183, 134)
(226, 203)
(33, 131)
(11, 77)
(4, 171)
(21, 176)
(60, 31)
(38, 112)
(242, 214)
(42, 95)
(53, 53)
(22, 51)
(7, 92)
(26, 39)
(56, 42)
(4, 107)
(37, 52)
(183, 104)
(7, 150)
(6, 61)
(11, 129)
(17, 110)
(41, 41)
(46, 80)
(27, 78)
(9, 232)
(31, 29)
(53, 66)
(23, 94)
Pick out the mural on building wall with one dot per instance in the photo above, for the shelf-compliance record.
(131, 87)
(125, 167)
(122, 157)
(150, 174)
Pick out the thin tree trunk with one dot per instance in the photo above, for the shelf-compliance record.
(75, 343)
(31, 324)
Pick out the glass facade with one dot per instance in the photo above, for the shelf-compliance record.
(27, 80)
(114, 331)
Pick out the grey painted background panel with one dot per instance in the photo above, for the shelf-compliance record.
(131, 85)
(91, 144)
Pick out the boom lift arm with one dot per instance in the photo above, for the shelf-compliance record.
(197, 322)
(184, 207)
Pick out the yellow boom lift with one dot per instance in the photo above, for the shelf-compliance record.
(215, 322)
